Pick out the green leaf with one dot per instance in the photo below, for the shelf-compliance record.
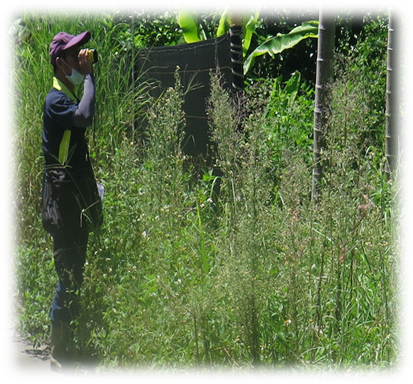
(281, 42)
(188, 21)
(249, 23)
(250, 15)
(293, 85)
(224, 23)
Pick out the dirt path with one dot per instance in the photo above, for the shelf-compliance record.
(21, 358)
(20, 361)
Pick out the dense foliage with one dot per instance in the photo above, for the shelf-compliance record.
(182, 277)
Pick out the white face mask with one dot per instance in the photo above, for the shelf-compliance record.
(75, 77)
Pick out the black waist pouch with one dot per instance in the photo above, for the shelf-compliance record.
(70, 201)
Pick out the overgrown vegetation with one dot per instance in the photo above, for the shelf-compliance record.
(256, 276)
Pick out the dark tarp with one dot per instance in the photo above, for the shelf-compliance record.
(195, 62)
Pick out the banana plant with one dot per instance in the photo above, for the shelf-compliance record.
(248, 22)
(193, 32)
(279, 43)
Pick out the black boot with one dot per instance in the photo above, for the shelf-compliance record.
(58, 357)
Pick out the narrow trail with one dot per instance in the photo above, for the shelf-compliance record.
(20, 361)
(23, 359)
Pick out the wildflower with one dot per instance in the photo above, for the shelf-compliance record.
(288, 322)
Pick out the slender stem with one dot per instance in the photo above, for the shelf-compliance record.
(391, 137)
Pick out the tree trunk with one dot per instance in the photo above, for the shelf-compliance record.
(322, 110)
(391, 133)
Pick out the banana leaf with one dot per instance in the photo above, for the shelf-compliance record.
(250, 15)
(224, 23)
(249, 23)
(189, 23)
(193, 32)
(281, 42)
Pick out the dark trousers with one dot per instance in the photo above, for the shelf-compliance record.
(69, 258)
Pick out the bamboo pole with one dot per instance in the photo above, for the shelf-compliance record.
(391, 134)
(133, 75)
(322, 110)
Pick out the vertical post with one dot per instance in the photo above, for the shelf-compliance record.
(133, 75)
(391, 135)
(236, 52)
(322, 110)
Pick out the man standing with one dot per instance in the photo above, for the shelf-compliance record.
(70, 201)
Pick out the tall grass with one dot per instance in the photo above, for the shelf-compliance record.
(270, 287)
(179, 278)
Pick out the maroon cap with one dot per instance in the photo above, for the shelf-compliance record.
(63, 41)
